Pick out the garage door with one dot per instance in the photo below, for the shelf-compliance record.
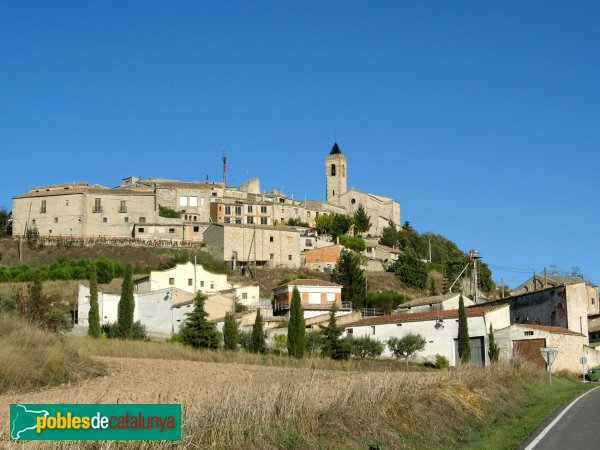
(530, 349)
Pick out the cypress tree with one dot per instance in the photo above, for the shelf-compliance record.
(258, 334)
(464, 343)
(231, 336)
(494, 350)
(126, 304)
(296, 338)
(362, 221)
(197, 331)
(94, 329)
(332, 345)
(432, 287)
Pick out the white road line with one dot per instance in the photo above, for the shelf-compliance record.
(545, 431)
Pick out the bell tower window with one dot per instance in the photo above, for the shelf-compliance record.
(333, 170)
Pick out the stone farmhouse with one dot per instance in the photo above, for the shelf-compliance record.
(133, 209)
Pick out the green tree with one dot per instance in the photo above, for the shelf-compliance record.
(94, 329)
(165, 211)
(361, 220)
(231, 336)
(332, 346)
(296, 340)
(105, 269)
(353, 243)
(389, 235)
(464, 342)
(4, 216)
(365, 347)
(341, 224)
(324, 223)
(197, 331)
(410, 270)
(494, 350)
(38, 305)
(258, 334)
(126, 305)
(406, 346)
(432, 287)
(349, 274)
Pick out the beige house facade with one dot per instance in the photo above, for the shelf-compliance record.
(187, 277)
(317, 297)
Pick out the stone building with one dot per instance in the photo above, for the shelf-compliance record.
(248, 245)
(434, 303)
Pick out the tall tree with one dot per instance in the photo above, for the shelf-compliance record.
(258, 334)
(494, 350)
(197, 331)
(332, 346)
(432, 287)
(94, 329)
(464, 342)
(349, 274)
(4, 216)
(38, 305)
(341, 224)
(126, 304)
(389, 235)
(296, 340)
(231, 335)
(410, 270)
(362, 221)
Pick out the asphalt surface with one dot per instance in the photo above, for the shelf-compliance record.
(576, 428)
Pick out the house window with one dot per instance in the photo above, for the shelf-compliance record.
(263, 210)
(227, 220)
(373, 330)
(263, 220)
(126, 219)
(171, 230)
(196, 229)
(123, 206)
(142, 220)
(56, 221)
(238, 210)
(49, 231)
(528, 333)
(171, 281)
(593, 301)
(214, 194)
(105, 220)
(353, 201)
(212, 284)
(289, 257)
(201, 201)
(244, 296)
(331, 297)
(228, 210)
(140, 230)
(249, 208)
(271, 238)
(238, 220)
(250, 220)
(193, 201)
(190, 281)
(272, 256)
(43, 206)
(97, 205)
(350, 331)
(183, 201)
(202, 284)
(195, 218)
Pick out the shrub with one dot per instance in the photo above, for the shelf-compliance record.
(7, 303)
(175, 338)
(353, 243)
(280, 343)
(165, 211)
(105, 270)
(137, 333)
(365, 347)
(314, 342)
(441, 362)
(406, 346)
(246, 340)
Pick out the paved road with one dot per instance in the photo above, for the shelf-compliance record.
(575, 427)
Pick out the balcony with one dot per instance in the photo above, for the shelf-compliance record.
(286, 304)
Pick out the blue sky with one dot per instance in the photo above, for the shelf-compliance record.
(482, 119)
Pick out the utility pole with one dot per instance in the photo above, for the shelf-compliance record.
(224, 170)
(473, 254)
(429, 239)
(501, 287)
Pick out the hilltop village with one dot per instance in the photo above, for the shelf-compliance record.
(247, 229)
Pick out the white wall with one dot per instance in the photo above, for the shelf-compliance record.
(205, 281)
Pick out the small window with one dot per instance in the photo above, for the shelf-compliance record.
(171, 230)
(183, 201)
(263, 210)
(238, 210)
(97, 205)
(171, 281)
(214, 194)
(142, 220)
(289, 257)
(263, 220)
(193, 201)
(126, 219)
(593, 301)
(123, 206)
(249, 208)
(202, 284)
(271, 238)
(333, 170)
(212, 284)
(49, 231)
(228, 210)
(196, 229)
(272, 256)
(190, 281)
(250, 220)
(105, 220)
(353, 201)
(373, 330)
(227, 220)
(528, 333)
(195, 218)
(350, 331)
(43, 206)
(244, 295)
(140, 230)
(56, 221)
(238, 220)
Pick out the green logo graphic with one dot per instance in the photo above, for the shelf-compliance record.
(95, 422)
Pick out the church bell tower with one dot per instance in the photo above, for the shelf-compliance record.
(335, 174)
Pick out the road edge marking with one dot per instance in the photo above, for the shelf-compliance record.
(545, 431)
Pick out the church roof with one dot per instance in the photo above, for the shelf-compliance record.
(335, 150)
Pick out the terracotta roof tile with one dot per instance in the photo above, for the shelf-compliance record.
(549, 329)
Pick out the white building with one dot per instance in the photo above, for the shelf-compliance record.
(439, 329)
